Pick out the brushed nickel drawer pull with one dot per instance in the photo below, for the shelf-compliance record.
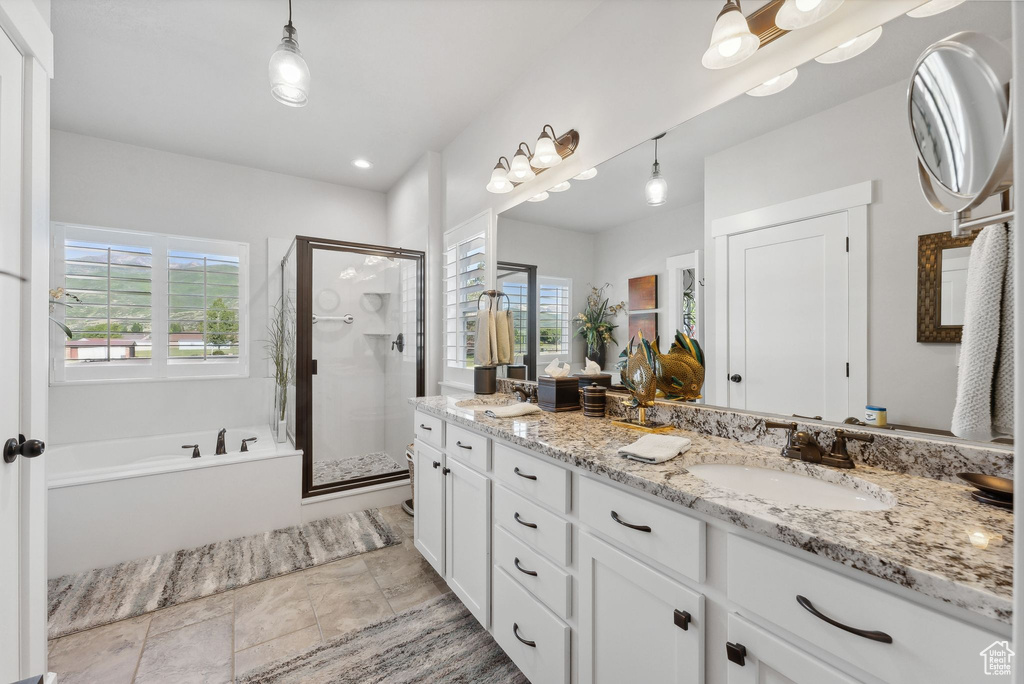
(641, 528)
(515, 630)
(520, 568)
(520, 474)
(523, 522)
(867, 634)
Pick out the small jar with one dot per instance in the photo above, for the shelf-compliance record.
(875, 415)
(595, 398)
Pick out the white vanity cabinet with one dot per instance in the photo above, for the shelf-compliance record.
(428, 524)
(758, 657)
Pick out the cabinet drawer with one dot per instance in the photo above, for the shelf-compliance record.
(470, 448)
(926, 645)
(669, 537)
(535, 640)
(543, 578)
(428, 429)
(528, 475)
(538, 528)
(767, 655)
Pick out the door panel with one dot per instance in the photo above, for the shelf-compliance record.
(468, 537)
(429, 520)
(789, 319)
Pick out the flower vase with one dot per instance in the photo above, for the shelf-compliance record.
(282, 430)
(597, 356)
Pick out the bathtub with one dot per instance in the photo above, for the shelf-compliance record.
(121, 499)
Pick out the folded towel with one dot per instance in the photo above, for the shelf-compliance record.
(656, 448)
(511, 336)
(501, 324)
(482, 348)
(512, 410)
(492, 336)
(1002, 400)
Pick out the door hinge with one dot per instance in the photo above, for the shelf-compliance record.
(847, 369)
(681, 619)
(847, 244)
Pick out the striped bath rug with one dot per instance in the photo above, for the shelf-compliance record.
(438, 642)
(99, 597)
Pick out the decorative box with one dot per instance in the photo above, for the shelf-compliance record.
(602, 379)
(558, 394)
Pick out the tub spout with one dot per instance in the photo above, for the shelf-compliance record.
(221, 447)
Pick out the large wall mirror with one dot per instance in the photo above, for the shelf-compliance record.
(788, 243)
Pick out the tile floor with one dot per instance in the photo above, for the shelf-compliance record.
(215, 639)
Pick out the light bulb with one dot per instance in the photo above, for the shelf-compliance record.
(586, 175)
(520, 171)
(774, 85)
(539, 197)
(731, 39)
(499, 183)
(656, 189)
(797, 14)
(545, 155)
(289, 75)
(362, 163)
(850, 48)
(560, 187)
(930, 9)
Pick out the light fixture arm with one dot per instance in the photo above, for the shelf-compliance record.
(503, 158)
(729, 6)
(528, 152)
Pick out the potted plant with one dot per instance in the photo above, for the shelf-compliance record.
(281, 349)
(594, 323)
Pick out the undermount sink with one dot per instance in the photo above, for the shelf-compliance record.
(793, 488)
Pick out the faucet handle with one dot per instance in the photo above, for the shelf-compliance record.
(839, 445)
(789, 451)
(193, 447)
(245, 443)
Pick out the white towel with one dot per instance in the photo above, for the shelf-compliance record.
(482, 348)
(986, 273)
(656, 448)
(501, 325)
(512, 410)
(492, 336)
(511, 336)
(1002, 404)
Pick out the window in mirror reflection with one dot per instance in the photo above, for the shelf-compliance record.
(554, 315)
(954, 285)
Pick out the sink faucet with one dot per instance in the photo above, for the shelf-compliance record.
(527, 394)
(799, 445)
(221, 447)
(839, 457)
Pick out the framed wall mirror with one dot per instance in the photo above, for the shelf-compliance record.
(941, 286)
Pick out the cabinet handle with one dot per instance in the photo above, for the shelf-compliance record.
(867, 634)
(428, 429)
(641, 528)
(463, 446)
(445, 471)
(437, 464)
(531, 573)
(737, 653)
(515, 630)
(520, 474)
(681, 619)
(524, 523)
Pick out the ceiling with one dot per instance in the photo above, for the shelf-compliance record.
(615, 197)
(390, 79)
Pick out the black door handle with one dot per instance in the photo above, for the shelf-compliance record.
(737, 653)
(641, 528)
(515, 630)
(445, 471)
(523, 522)
(531, 573)
(437, 464)
(29, 448)
(463, 446)
(520, 474)
(866, 633)
(736, 377)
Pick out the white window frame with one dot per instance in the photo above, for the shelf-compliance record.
(481, 225)
(159, 367)
(555, 281)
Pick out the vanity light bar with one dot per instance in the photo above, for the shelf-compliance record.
(522, 169)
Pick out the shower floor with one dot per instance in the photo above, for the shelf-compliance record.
(326, 471)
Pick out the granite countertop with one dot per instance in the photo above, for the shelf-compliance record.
(921, 542)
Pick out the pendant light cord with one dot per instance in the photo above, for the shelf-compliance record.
(655, 140)
(289, 12)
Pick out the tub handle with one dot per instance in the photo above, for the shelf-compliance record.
(194, 448)
(245, 443)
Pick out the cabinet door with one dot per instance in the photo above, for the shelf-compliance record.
(770, 660)
(636, 625)
(429, 521)
(468, 537)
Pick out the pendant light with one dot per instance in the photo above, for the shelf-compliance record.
(731, 39)
(850, 48)
(500, 184)
(545, 153)
(656, 189)
(520, 170)
(289, 75)
(930, 9)
(586, 175)
(797, 14)
(774, 85)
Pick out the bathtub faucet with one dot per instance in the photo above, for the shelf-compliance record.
(221, 447)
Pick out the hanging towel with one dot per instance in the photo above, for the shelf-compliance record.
(482, 348)
(501, 337)
(656, 448)
(492, 335)
(511, 325)
(982, 332)
(512, 410)
(1002, 401)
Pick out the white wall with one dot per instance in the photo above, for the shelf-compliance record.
(861, 140)
(103, 183)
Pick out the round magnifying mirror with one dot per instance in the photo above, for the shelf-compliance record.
(960, 116)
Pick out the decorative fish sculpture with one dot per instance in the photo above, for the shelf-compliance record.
(679, 374)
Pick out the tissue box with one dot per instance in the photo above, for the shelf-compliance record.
(602, 379)
(558, 394)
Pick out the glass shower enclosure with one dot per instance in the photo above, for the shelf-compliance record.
(359, 356)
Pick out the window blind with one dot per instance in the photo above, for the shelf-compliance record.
(553, 316)
(202, 306)
(465, 279)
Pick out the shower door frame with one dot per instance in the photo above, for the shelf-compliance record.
(304, 362)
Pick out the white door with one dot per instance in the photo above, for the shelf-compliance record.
(429, 521)
(10, 356)
(789, 319)
(468, 536)
(757, 657)
(636, 625)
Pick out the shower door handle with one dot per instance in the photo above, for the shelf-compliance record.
(314, 367)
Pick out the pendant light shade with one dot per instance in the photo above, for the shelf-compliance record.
(586, 175)
(656, 189)
(850, 48)
(539, 197)
(797, 14)
(930, 9)
(289, 75)
(520, 171)
(545, 154)
(731, 39)
(560, 187)
(774, 85)
(499, 183)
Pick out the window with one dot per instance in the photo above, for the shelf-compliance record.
(554, 317)
(147, 306)
(518, 300)
(465, 278)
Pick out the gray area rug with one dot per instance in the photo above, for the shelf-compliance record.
(348, 467)
(99, 597)
(437, 642)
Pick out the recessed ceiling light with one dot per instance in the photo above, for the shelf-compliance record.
(362, 163)
(850, 48)
(930, 9)
(586, 175)
(774, 85)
